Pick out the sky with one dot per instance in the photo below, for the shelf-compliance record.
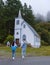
(38, 6)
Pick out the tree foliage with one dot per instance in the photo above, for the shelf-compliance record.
(8, 13)
(44, 30)
(28, 15)
(8, 38)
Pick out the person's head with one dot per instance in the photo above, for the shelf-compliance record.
(13, 43)
(24, 39)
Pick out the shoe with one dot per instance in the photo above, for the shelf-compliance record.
(13, 58)
(22, 57)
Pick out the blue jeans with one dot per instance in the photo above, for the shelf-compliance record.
(13, 53)
(23, 51)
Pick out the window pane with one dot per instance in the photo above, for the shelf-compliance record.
(24, 37)
(17, 33)
(17, 22)
(24, 25)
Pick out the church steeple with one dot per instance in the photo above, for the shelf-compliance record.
(19, 15)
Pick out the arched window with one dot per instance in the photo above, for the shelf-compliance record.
(24, 26)
(24, 37)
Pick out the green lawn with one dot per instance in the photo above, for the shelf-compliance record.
(43, 51)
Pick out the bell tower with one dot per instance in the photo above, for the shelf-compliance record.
(17, 28)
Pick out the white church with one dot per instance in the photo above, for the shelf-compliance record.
(22, 30)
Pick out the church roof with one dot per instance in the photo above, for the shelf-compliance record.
(32, 29)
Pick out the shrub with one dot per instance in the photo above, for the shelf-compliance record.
(8, 38)
(29, 45)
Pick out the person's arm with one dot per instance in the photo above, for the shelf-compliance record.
(26, 42)
(21, 45)
(16, 45)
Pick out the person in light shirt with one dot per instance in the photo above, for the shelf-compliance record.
(24, 46)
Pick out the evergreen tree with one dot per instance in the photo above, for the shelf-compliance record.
(28, 15)
(8, 13)
(11, 11)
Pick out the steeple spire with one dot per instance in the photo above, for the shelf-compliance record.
(19, 15)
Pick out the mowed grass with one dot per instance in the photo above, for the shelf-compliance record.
(43, 51)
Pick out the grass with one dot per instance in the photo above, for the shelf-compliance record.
(43, 51)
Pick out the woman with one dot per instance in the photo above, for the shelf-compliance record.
(13, 48)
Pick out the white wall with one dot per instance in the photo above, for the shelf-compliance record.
(37, 41)
(28, 33)
(17, 35)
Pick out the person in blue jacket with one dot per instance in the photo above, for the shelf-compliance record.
(13, 48)
(24, 46)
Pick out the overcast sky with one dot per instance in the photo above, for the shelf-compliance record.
(38, 6)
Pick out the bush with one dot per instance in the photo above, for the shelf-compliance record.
(29, 45)
(9, 38)
(43, 43)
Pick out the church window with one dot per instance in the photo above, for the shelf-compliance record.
(24, 26)
(17, 33)
(24, 36)
(17, 22)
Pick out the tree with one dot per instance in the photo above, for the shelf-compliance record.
(8, 13)
(28, 15)
(2, 26)
(11, 10)
(43, 28)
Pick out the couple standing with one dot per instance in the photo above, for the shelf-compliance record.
(14, 46)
